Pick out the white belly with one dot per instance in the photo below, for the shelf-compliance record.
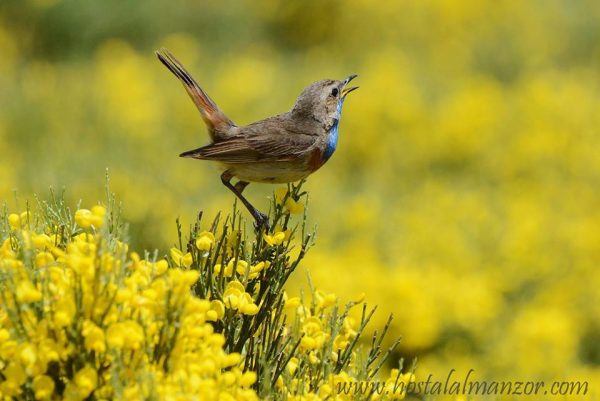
(279, 172)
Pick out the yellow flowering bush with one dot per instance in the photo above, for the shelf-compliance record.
(296, 347)
(85, 318)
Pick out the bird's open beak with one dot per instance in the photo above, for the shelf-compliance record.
(345, 89)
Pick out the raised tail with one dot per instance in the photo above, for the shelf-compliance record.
(217, 122)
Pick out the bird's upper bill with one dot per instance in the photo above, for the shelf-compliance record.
(345, 88)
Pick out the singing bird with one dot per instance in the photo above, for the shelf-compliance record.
(284, 148)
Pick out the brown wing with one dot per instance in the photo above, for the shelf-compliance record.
(267, 145)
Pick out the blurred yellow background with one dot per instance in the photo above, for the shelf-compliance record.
(464, 196)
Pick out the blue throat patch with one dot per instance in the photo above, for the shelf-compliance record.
(333, 134)
(331, 140)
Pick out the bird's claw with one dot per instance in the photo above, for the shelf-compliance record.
(261, 220)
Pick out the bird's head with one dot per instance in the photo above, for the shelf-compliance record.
(323, 100)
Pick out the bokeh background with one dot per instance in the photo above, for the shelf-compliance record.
(464, 196)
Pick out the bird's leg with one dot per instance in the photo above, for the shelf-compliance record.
(261, 219)
(241, 185)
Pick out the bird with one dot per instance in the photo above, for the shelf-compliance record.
(283, 148)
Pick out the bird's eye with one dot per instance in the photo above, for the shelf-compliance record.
(334, 92)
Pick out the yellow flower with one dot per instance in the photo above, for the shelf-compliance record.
(349, 326)
(216, 339)
(280, 385)
(180, 259)
(26, 239)
(250, 309)
(280, 194)
(340, 343)
(125, 335)
(15, 376)
(43, 259)
(212, 316)
(217, 310)
(294, 207)
(123, 295)
(196, 305)
(205, 241)
(217, 268)
(228, 272)
(189, 278)
(314, 337)
(231, 298)
(360, 298)
(260, 266)
(227, 378)
(292, 365)
(308, 343)
(230, 360)
(24, 217)
(248, 379)
(287, 232)
(64, 310)
(41, 241)
(325, 391)
(99, 211)
(86, 381)
(236, 285)
(236, 298)
(274, 239)
(48, 351)
(83, 218)
(43, 387)
(325, 300)
(94, 337)
(240, 267)
(293, 302)
(160, 267)
(27, 355)
(132, 392)
(187, 260)
(27, 293)
(5, 249)
(14, 221)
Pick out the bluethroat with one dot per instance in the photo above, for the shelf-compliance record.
(284, 148)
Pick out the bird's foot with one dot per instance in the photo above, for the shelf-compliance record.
(261, 220)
